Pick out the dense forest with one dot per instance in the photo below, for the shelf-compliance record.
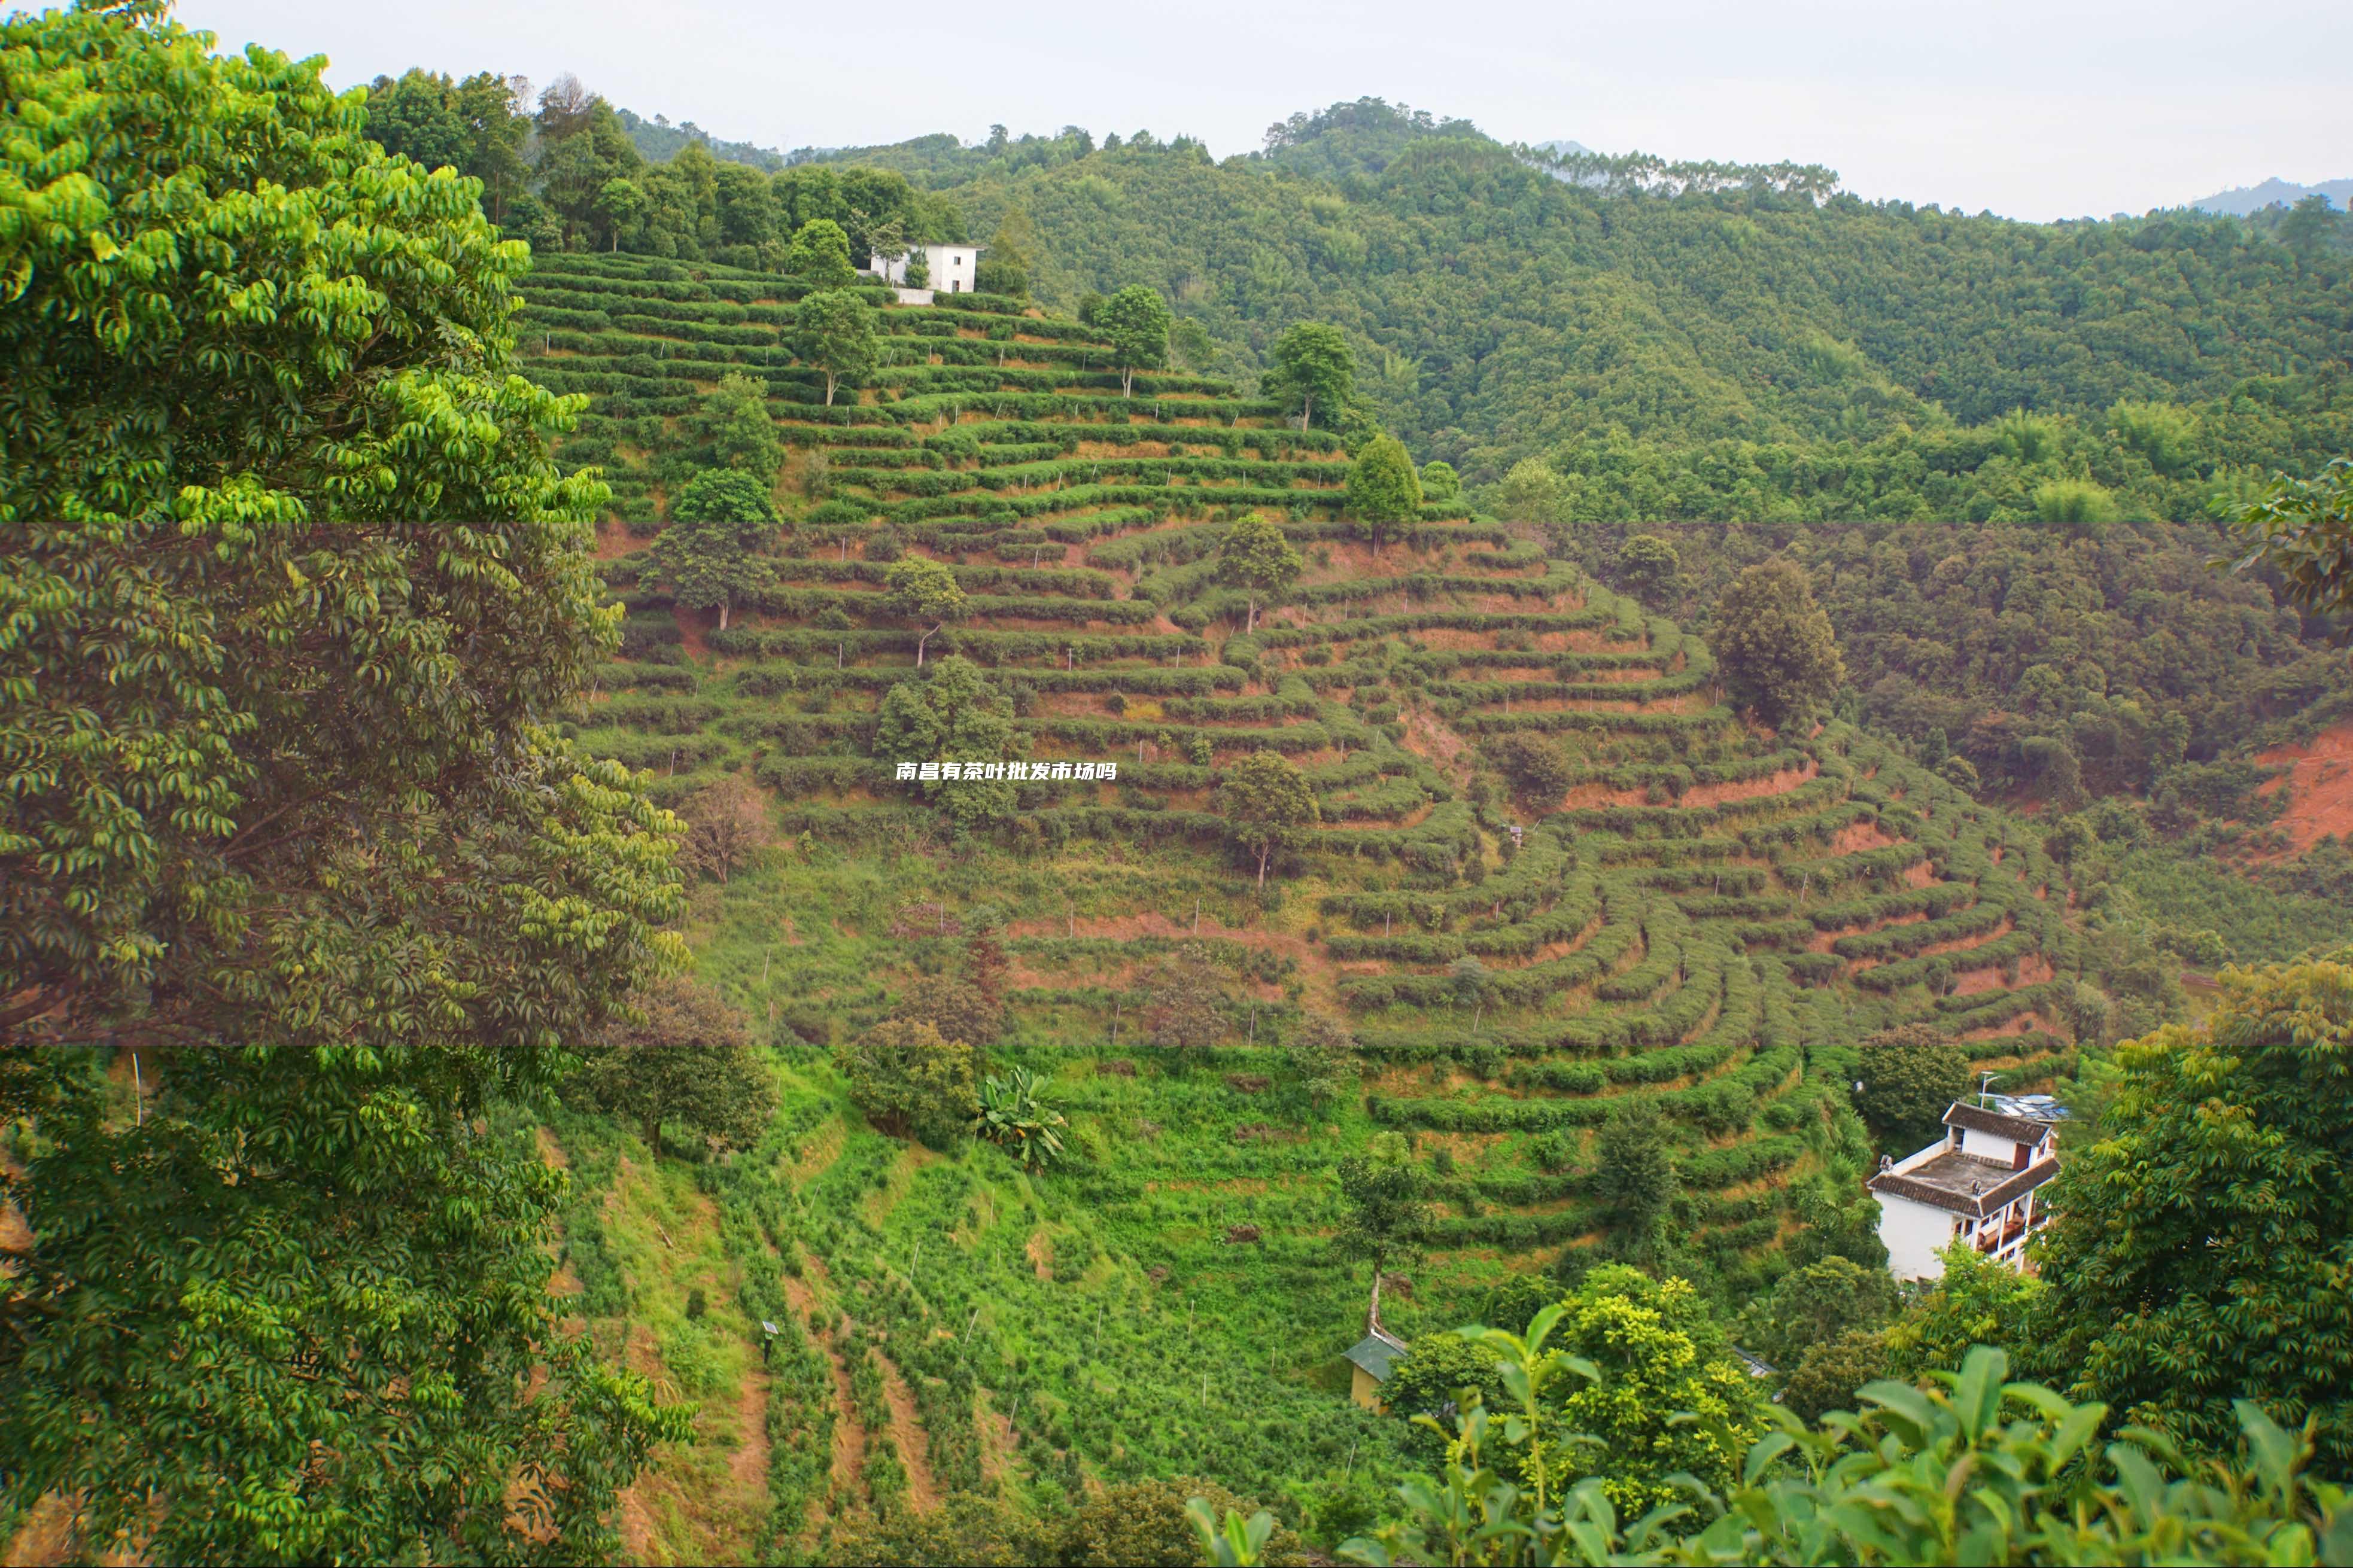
(1274, 890)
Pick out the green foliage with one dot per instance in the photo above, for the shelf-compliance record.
(1149, 1523)
(1384, 492)
(1429, 1380)
(1268, 806)
(1910, 1075)
(2079, 503)
(908, 1081)
(1439, 482)
(476, 126)
(819, 255)
(1136, 322)
(1323, 1057)
(2202, 1256)
(684, 1062)
(1814, 1305)
(1669, 1399)
(1312, 367)
(1015, 1115)
(1976, 1469)
(1256, 557)
(710, 551)
(1649, 565)
(1975, 1301)
(1539, 771)
(1004, 267)
(735, 419)
(1385, 1219)
(1634, 1180)
(1532, 493)
(2302, 531)
(1182, 1002)
(1831, 1374)
(282, 813)
(319, 1292)
(924, 590)
(834, 331)
(955, 715)
(1775, 646)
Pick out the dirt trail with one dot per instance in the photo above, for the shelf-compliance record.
(750, 1464)
(2319, 783)
(907, 1432)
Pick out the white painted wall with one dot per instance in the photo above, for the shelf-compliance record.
(1913, 1234)
(1988, 1145)
(952, 268)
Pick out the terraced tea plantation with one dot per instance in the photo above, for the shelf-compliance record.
(1704, 918)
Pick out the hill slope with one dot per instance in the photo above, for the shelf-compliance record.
(1695, 927)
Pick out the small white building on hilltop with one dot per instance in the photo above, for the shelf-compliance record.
(952, 267)
(1976, 1183)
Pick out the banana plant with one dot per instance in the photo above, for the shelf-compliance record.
(1014, 1115)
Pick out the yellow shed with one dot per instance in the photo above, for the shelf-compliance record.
(1374, 1356)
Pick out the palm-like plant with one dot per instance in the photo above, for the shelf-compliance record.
(1014, 1115)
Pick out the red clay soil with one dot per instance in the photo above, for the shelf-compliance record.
(1780, 783)
(614, 539)
(2319, 786)
(2033, 970)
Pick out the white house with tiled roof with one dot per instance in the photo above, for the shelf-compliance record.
(1976, 1183)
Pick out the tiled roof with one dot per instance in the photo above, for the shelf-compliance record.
(1951, 1194)
(1377, 1353)
(2017, 1129)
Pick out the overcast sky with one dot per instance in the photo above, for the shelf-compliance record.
(2042, 109)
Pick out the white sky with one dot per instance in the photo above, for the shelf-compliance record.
(2039, 109)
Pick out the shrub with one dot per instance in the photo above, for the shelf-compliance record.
(910, 1081)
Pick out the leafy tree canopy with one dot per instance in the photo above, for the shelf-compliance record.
(1659, 1355)
(923, 590)
(1268, 806)
(291, 584)
(711, 548)
(819, 254)
(1136, 320)
(834, 331)
(1384, 492)
(687, 1064)
(910, 1082)
(955, 715)
(2204, 1254)
(1775, 646)
(1312, 368)
(1910, 1075)
(1255, 556)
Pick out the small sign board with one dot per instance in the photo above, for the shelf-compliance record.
(769, 1328)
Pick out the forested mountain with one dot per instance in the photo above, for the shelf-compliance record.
(2240, 201)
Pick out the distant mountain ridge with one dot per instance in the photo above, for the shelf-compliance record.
(2240, 201)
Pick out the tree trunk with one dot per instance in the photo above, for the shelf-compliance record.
(1306, 407)
(1264, 851)
(653, 1133)
(923, 639)
(722, 615)
(1373, 1316)
(829, 391)
(1126, 382)
(1254, 614)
